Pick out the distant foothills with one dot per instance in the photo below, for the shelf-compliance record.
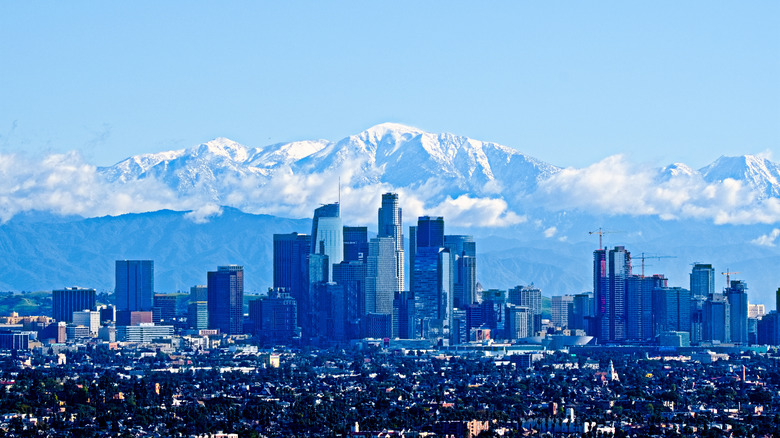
(66, 222)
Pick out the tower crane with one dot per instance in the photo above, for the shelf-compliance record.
(601, 233)
(657, 257)
(728, 276)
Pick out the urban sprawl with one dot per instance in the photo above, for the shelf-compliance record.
(339, 346)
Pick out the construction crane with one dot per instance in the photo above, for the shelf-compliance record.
(601, 233)
(643, 257)
(728, 276)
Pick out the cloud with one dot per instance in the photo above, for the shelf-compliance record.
(767, 239)
(204, 213)
(615, 186)
(550, 232)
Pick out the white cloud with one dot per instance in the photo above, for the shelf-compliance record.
(767, 239)
(550, 232)
(615, 186)
(204, 213)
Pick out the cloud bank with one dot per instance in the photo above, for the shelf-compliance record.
(65, 184)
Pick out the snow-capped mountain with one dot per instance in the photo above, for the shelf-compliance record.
(762, 175)
(392, 154)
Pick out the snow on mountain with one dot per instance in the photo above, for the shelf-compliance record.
(677, 170)
(756, 171)
(389, 153)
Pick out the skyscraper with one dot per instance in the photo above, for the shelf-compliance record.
(381, 275)
(226, 299)
(639, 306)
(463, 250)
(702, 280)
(610, 270)
(736, 294)
(71, 299)
(134, 285)
(355, 244)
(327, 234)
(561, 307)
(430, 232)
(274, 317)
(671, 310)
(391, 225)
(291, 266)
(352, 277)
(531, 298)
(717, 319)
(198, 310)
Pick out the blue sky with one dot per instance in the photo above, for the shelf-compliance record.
(569, 83)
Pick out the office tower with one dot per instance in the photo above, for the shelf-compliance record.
(697, 319)
(561, 307)
(702, 280)
(610, 270)
(197, 310)
(413, 251)
(493, 303)
(530, 297)
(432, 289)
(381, 276)
(68, 300)
(107, 314)
(391, 225)
(274, 318)
(404, 315)
(464, 253)
(717, 319)
(226, 299)
(459, 331)
(328, 322)
(736, 294)
(430, 232)
(352, 277)
(671, 310)
(768, 329)
(89, 319)
(639, 306)
(165, 307)
(377, 325)
(519, 322)
(134, 285)
(291, 266)
(355, 244)
(327, 234)
(582, 313)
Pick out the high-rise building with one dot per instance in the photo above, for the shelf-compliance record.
(702, 280)
(134, 285)
(328, 322)
(351, 275)
(697, 319)
(355, 244)
(226, 299)
(463, 250)
(432, 289)
(198, 310)
(671, 310)
(68, 300)
(291, 266)
(381, 276)
(561, 307)
(88, 318)
(717, 319)
(327, 234)
(165, 307)
(582, 313)
(736, 294)
(274, 318)
(639, 306)
(610, 270)
(430, 232)
(391, 225)
(530, 297)
(519, 322)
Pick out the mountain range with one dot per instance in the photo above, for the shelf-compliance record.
(220, 202)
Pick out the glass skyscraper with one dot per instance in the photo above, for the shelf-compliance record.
(134, 285)
(226, 299)
(702, 280)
